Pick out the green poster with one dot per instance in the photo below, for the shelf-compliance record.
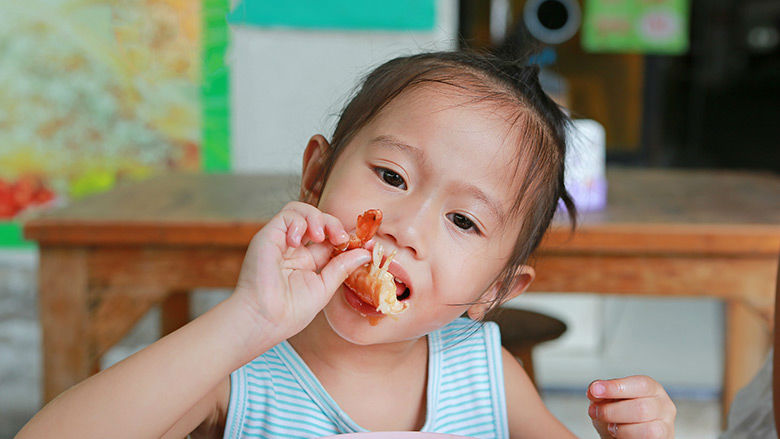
(393, 15)
(659, 26)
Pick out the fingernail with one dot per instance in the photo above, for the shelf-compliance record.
(612, 429)
(593, 411)
(597, 389)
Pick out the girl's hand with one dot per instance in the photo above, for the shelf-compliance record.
(288, 275)
(631, 407)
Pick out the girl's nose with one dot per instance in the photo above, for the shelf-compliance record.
(412, 226)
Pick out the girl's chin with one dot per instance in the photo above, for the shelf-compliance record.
(350, 322)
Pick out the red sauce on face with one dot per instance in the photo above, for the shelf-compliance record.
(358, 305)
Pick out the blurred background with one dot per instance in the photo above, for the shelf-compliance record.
(95, 94)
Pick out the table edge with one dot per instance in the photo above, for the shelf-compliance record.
(598, 238)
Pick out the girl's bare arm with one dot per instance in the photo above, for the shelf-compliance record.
(150, 391)
(528, 416)
(172, 385)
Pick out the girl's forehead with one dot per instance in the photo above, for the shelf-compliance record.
(471, 127)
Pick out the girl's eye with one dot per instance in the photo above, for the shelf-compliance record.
(391, 178)
(462, 222)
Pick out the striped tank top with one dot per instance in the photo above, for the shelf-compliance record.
(277, 396)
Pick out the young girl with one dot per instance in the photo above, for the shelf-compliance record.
(463, 153)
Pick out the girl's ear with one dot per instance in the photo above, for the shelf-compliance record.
(313, 158)
(523, 277)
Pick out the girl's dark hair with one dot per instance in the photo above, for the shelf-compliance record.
(507, 84)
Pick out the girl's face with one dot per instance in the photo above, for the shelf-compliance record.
(439, 168)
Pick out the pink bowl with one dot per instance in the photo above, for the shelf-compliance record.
(397, 435)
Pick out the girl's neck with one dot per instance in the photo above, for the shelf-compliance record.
(320, 347)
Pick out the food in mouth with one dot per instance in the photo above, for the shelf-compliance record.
(372, 284)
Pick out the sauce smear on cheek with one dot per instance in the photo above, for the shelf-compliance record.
(363, 308)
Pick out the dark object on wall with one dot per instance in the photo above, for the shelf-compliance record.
(718, 106)
(552, 21)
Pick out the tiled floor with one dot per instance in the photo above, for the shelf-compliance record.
(20, 362)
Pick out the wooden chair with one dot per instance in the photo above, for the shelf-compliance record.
(522, 330)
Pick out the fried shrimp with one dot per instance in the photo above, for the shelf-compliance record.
(372, 283)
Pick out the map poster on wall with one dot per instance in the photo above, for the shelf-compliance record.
(94, 93)
(640, 26)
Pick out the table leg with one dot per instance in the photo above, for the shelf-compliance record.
(747, 344)
(174, 312)
(64, 315)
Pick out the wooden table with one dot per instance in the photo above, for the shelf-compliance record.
(105, 260)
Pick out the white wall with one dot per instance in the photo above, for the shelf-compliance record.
(288, 84)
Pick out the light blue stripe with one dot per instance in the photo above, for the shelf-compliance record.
(470, 386)
(474, 377)
(236, 406)
(462, 407)
(475, 348)
(468, 377)
(466, 387)
(466, 419)
(493, 339)
(279, 427)
(284, 373)
(489, 433)
(462, 334)
(434, 379)
(471, 428)
(477, 364)
(472, 408)
(260, 364)
(269, 368)
(481, 394)
(298, 420)
(276, 380)
(457, 328)
(313, 408)
(465, 350)
(263, 396)
(280, 385)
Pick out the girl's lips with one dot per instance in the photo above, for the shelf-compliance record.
(358, 305)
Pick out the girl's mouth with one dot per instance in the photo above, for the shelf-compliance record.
(358, 305)
(366, 309)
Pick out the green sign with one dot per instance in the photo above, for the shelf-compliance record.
(658, 26)
(393, 15)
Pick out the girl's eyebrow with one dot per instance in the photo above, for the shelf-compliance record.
(482, 197)
(387, 140)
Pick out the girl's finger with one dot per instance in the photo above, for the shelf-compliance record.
(627, 410)
(637, 386)
(335, 231)
(645, 430)
(315, 229)
(320, 253)
(319, 225)
(337, 269)
(292, 225)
